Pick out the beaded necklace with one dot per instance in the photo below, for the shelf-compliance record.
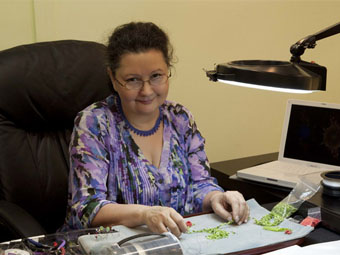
(138, 131)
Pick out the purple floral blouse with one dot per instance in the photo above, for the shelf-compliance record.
(106, 165)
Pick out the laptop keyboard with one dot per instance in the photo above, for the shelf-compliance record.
(291, 168)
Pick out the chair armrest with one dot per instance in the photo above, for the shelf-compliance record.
(18, 222)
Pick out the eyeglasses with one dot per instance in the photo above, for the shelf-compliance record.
(157, 79)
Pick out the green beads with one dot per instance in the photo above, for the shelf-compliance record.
(277, 215)
(284, 210)
(214, 233)
(271, 219)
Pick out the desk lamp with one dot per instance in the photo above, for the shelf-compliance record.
(296, 76)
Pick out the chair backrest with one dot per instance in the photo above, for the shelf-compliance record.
(42, 88)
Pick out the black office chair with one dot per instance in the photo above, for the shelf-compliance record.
(42, 87)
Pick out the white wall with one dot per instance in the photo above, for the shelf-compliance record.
(236, 122)
(16, 23)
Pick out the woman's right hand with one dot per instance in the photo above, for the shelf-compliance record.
(162, 219)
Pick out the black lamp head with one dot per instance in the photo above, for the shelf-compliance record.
(283, 76)
(296, 76)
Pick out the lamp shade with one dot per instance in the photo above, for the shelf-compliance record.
(296, 76)
(299, 77)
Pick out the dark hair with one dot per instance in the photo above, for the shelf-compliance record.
(136, 37)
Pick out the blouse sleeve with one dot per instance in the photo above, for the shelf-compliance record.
(89, 162)
(203, 183)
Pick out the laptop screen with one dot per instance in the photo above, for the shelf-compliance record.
(313, 134)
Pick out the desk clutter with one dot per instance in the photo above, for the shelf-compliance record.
(204, 237)
(96, 241)
(59, 243)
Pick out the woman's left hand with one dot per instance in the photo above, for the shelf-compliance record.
(229, 205)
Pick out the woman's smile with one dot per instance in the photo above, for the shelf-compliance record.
(145, 101)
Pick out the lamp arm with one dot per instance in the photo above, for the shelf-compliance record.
(299, 47)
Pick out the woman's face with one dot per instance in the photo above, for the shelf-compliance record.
(141, 66)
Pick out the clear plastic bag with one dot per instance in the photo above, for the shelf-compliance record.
(308, 185)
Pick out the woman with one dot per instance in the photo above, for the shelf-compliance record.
(137, 158)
